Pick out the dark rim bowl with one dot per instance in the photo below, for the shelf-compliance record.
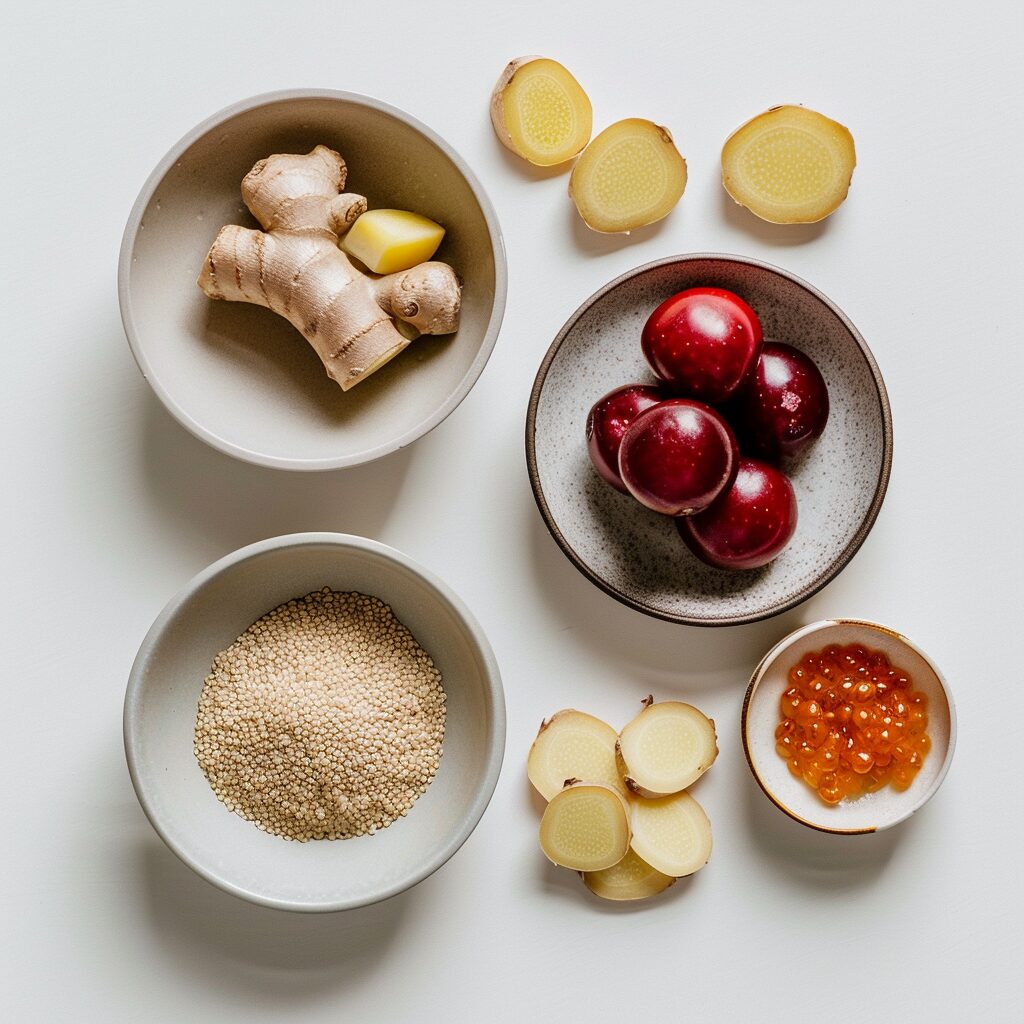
(836, 565)
(906, 803)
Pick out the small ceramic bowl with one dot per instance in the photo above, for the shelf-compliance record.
(636, 555)
(872, 812)
(160, 717)
(242, 378)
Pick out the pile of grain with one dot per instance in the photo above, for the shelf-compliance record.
(323, 720)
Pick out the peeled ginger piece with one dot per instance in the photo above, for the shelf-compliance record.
(629, 176)
(630, 879)
(388, 241)
(540, 112)
(666, 748)
(586, 827)
(789, 165)
(672, 834)
(572, 745)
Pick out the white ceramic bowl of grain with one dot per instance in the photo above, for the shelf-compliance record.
(210, 612)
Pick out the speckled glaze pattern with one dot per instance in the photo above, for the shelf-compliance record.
(636, 555)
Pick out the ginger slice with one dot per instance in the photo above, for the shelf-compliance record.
(789, 165)
(540, 112)
(586, 827)
(387, 241)
(572, 745)
(629, 176)
(631, 879)
(672, 833)
(667, 747)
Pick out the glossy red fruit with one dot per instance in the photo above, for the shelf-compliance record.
(702, 343)
(783, 406)
(678, 456)
(749, 524)
(609, 419)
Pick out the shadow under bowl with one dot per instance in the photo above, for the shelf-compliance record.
(636, 555)
(242, 378)
(160, 717)
(874, 811)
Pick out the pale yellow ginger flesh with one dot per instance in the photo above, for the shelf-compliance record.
(295, 268)
(672, 833)
(630, 879)
(572, 745)
(667, 747)
(540, 112)
(586, 827)
(387, 241)
(789, 165)
(629, 176)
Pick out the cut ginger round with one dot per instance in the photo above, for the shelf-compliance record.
(387, 241)
(672, 833)
(667, 747)
(540, 112)
(629, 176)
(572, 745)
(630, 879)
(789, 165)
(586, 827)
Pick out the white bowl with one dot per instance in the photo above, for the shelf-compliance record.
(872, 812)
(160, 715)
(241, 378)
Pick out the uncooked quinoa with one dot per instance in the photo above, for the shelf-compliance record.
(323, 720)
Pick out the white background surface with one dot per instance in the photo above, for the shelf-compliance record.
(109, 506)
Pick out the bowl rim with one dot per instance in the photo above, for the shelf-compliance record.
(845, 555)
(124, 298)
(783, 645)
(488, 778)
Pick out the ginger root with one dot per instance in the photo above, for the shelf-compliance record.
(295, 268)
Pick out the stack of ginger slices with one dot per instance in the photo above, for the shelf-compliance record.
(618, 811)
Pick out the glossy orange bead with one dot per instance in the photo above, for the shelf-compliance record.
(818, 732)
(807, 711)
(864, 691)
(873, 781)
(851, 723)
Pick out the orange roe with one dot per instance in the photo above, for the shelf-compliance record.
(852, 723)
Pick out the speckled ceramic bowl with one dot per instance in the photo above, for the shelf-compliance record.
(242, 378)
(636, 555)
(875, 811)
(160, 717)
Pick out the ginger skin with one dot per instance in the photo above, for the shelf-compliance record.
(295, 268)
